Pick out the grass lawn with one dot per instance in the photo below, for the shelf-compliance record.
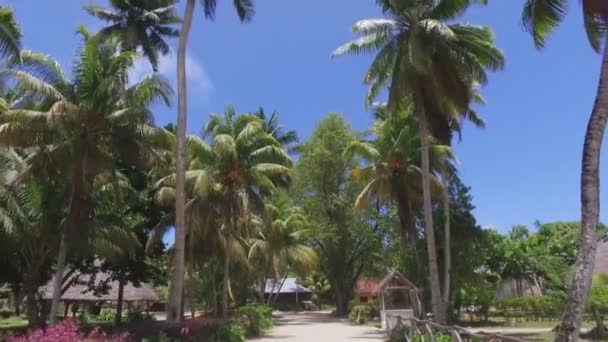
(13, 322)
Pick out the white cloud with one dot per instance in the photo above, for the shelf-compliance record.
(200, 86)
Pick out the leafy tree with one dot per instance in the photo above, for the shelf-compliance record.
(245, 11)
(422, 57)
(144, 24)
(88, 122)
(540, 18)
(345, 240)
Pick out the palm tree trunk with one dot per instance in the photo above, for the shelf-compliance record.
(119, 301)
(447, 253)
(436, 300)
(177, 282)
(226, 285)
(590, 207)
(58, 279)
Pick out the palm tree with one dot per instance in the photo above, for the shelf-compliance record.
(540, 18)
(248, 163)
(245, 12)
(88, 121)
(226, 181)
(393, 173)
(280, 243)
(287, 139)
(10, 34)
(426, 59)
(30, 212)
(141, 24)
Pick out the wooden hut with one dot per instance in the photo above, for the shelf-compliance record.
(399, 299)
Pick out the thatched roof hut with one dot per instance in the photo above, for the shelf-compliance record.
(84, 288)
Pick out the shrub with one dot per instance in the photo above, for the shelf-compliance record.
(361, 314)
(67, 331)
(229, 333)
(106, 316)
(135, 316)
(476, 300)
(539, 307)
(255, 318)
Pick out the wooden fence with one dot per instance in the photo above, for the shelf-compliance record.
(412, 327)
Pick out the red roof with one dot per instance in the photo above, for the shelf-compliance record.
(366, 286)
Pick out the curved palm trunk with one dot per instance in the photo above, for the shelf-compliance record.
(436, 300)
(177, 281)
(447, 254)
(590, 207)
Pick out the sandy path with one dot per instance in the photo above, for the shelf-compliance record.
(318, 327)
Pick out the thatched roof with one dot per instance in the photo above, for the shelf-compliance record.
(81, 290)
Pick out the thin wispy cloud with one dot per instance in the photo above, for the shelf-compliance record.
(200, 86)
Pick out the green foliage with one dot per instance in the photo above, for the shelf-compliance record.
(476, 300)
(255, 318)
(361, 314)
(531, 307)
(344, 238)
(229, 333)
(135, 316)
(106, 315)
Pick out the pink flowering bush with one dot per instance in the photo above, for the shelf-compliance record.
(67, 331)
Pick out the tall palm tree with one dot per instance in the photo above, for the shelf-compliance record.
(280, 243)
(226, 181)
(540, 18)
(393, 173)
(425, 57)
(249, 163)
(144, 24)
(245, 11)
(88, 121)
(10, 34)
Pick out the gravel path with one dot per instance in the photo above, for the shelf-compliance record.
(318, 327)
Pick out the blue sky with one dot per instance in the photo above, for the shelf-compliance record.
(524, 166)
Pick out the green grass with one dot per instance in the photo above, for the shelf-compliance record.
(13, 322)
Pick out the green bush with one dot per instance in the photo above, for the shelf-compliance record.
(107, 315)
(229, 333)
(476, 300)
(538, 307)
(135, 316)
(361, 314)
(255, 318)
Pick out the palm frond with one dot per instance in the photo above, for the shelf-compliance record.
(367, 43)
(541, 17)
(377, 25)
(244, 9)
(10, 34)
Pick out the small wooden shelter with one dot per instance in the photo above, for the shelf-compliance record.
(399, 299)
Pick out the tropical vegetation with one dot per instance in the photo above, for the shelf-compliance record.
(94, 193)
